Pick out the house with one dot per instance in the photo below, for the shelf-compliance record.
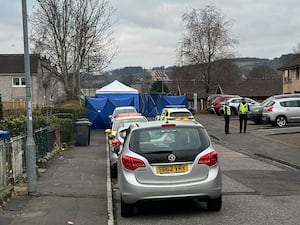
(158, 75)
(45, 88)
(258, 89)
(291, 75)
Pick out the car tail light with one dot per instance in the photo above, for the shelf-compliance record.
(116, 142)
(209, 159)
(270, 109)
(132, 163)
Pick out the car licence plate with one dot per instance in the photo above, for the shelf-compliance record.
(180, 168)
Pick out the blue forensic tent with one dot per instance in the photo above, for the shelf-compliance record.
(98, 110)
(117, 90)
(152, 104)
(106, 100)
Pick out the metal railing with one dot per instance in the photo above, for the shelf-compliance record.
(12, 154)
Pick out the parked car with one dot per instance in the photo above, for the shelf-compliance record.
(122, 109)
(282, 111)
(209, 101)
(256, 111)
(163, 160)
(175, 113)
(216, 104)
(114, 143)
(234, 104)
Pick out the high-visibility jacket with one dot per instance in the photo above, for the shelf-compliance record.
(227, 110)
(243, 108)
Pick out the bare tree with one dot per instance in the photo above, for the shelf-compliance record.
(263, 72)
(296, 49)
(229, 71)
(207, 39)
(76, 36)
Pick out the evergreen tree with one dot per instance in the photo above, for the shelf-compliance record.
(159, 87)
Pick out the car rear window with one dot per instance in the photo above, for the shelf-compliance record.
(119, 123)
(169, 139)
(180, 114)
(270, 103)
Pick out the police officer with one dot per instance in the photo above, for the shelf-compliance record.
(227, 114)
(243, 110)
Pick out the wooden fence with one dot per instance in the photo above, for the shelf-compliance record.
(15, 108)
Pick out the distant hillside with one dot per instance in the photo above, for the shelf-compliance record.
(130, 75)
(98, 81)
(247, 64)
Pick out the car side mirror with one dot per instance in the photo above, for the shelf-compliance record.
(111, 137)
(122, 134)
(116, 150)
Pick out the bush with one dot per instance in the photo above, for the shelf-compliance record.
(66, 127)
(15, 126)
(62, 116)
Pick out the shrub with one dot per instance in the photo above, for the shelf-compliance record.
(62, 116)
(66, 126)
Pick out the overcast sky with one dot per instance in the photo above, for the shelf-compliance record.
(148, 31)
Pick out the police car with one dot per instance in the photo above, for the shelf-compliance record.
(175, 113)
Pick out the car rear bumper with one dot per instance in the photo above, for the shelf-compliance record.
(266, 119)
(255, 116)
(134, 192)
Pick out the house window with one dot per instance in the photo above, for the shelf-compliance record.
(18, 82)
(286, 76)
(298, 73)
(289, 75)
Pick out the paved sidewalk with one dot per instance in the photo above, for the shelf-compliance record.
(72, 190)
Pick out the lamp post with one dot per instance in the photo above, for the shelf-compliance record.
(30, 144)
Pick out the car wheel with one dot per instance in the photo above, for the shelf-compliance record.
(258, 120)
(214, 204)
(233, 111)
(126, 209)
(221, 112)
(281, 121)
(113, 172)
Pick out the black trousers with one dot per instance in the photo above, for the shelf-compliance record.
(243, 120)
(226, 124)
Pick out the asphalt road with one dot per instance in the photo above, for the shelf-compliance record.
(278, 144)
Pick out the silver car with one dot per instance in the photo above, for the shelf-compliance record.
(115, 140)
(282, 111)
(256, 111)
(235, 102)
(168, 160)
(122, 109)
